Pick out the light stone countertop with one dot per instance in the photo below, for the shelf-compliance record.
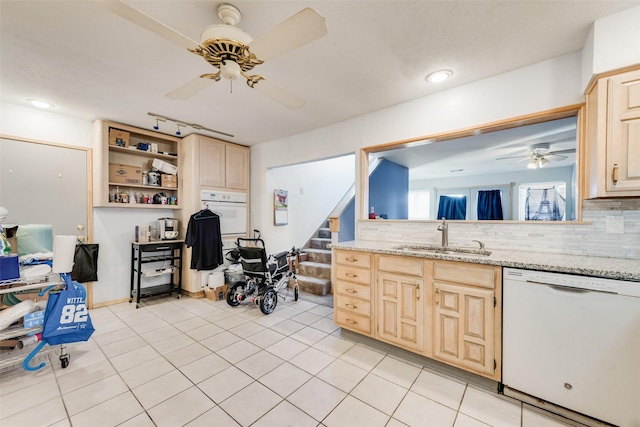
(609, 268)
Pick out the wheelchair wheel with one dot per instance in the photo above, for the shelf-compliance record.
(232, 294)
(269, 301)
(296, 293)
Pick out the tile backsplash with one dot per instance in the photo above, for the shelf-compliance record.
(599, 233)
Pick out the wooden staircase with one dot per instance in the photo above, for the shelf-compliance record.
(315, 263)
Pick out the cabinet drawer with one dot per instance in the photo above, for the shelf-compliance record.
(157, 247)
(356, 259)
(353, 290)
(358, 275)
(402, 265)
(353, 305)
(468, 274)
(353, 321)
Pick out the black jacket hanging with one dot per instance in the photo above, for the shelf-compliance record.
(203, 234)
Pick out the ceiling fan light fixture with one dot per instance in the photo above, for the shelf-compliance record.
(439, 76)
(542, 162)
(230, 70)
(532, 164)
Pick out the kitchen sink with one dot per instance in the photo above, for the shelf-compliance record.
(444, 250)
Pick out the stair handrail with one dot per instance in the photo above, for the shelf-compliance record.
(336, 213)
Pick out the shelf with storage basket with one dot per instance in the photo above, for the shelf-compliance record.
(134, 168)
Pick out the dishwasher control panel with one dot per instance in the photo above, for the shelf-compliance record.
(574, 281)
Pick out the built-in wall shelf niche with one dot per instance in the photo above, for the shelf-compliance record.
(133, 167)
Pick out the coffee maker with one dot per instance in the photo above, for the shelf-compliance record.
(168, 228)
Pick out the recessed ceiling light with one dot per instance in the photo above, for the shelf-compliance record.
(40, 104)
(439, 76)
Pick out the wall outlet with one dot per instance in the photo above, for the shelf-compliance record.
(614, 224)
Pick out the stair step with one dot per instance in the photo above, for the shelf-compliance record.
(314, 285)
(324, 233)
(319, 242)
(315, 269)
(318, 255)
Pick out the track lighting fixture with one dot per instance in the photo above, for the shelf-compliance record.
(180, 124)
(159, 119)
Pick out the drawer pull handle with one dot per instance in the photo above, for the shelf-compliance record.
(351, 259)
(614, 174)
(351, 275)
(351, 291)
(162, 248)
(437, 296)
(351, 321)
(351, 306)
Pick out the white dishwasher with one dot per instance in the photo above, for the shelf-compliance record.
(573, 341)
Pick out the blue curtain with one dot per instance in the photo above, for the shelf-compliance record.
(450, 207)
(489, 204)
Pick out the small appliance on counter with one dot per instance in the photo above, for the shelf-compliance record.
(168, 228)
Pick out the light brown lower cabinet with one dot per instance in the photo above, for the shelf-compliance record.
(445, 310)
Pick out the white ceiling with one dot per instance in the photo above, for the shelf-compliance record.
(93, 64)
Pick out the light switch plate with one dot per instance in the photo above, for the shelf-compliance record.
(614, 224)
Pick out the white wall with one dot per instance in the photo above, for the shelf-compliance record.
(614, 42)
(113, 228)
(546, 85)
(314, 190)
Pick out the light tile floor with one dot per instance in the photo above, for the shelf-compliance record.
(196, 362)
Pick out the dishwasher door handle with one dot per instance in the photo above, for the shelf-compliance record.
(569, 289)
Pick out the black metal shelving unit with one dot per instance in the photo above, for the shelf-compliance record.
(167, 252)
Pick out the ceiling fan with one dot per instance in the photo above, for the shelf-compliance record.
(539, 155)
(232, 52)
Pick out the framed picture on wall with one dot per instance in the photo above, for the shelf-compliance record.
(281, 204)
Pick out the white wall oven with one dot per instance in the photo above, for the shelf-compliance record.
(230, 206)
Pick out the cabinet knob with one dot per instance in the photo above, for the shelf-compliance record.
(614, 174)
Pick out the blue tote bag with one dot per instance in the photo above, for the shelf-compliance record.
(66, 318)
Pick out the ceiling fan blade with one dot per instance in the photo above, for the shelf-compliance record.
(145, 21)
(554, 157)
(571, 150)
(278, 94)
(189, 89)
(526, 156)
(300, 29)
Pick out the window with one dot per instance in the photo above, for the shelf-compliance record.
(542, 201)
(419, 205)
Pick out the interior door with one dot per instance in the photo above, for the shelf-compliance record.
(42, 183)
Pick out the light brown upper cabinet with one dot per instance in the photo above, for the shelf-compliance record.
(613, 136)
(221, 164)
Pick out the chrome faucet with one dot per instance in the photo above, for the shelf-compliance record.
(444, 227)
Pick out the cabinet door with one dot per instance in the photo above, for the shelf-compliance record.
(464, 327)
(400, 312)
(212, 163)
(623, 139)
(237, 167)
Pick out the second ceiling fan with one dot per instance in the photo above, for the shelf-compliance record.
(539, 155)
(232, 52)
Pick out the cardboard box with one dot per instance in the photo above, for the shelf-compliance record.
(214, 293)
(34, 319)
(167, 180)
(125, 174)
(118, 137)
(164, 167)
